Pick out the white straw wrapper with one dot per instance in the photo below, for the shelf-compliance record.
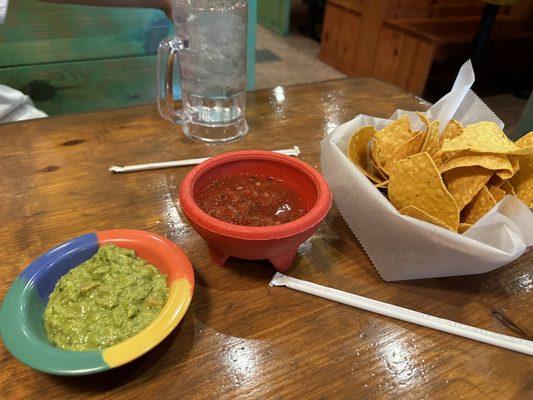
(404, 314)
(295, 151)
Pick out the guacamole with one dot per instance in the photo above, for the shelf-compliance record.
(107, 299)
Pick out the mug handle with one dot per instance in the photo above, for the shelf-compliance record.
(166, 57)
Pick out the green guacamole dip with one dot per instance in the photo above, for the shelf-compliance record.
(107, 299)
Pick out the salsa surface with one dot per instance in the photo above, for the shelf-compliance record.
(104, 301)
(251, 200)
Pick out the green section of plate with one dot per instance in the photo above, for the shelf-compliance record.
(22, 330)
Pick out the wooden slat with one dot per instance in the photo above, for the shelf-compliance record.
(522, 10)
(370, 27)
(457, 29)
(354, 5)
(330, 32)
(406, 60)
(420, 71)
(448, 8)
(387, 55)
(86, 85)
(432, 8)
(349, 30)
(36, 32)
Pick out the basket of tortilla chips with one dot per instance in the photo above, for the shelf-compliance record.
(432, 194)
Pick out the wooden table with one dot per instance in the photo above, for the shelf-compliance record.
(241, 338)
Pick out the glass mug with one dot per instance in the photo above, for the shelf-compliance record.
(210, 49)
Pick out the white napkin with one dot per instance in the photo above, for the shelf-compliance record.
(3, 10)
(402, 247)
(16, 106)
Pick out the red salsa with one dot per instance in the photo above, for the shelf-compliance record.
(251, 200)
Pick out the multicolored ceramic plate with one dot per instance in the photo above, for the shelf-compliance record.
(21, 315)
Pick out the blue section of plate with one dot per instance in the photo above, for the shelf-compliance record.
(57, 262)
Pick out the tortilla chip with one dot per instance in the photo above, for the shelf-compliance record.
(507, 174)
(412, 146)
(463, 226)
(522, 181)
(417, 213)
(464, 183)
(508, 188)
(483, 137)
(431, 144)
(382, 185)
(358, 152)
(438, 159)
(478, 207)
(379, 171)
(390, 138)
(425, 120)
(373, 160)
(415, 181)
(497, 193)
(495, 162)
(452, 130)
(526, 140)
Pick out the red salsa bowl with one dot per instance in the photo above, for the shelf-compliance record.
(276, 243)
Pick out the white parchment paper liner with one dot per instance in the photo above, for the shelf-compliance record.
(401, 247)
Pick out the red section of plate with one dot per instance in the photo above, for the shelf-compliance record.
(277, 243)
(155, 249)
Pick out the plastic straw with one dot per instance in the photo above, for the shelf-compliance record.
(295, 151)
(404, 314)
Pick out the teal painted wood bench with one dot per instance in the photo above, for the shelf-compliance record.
(275, 15)
(72, 58)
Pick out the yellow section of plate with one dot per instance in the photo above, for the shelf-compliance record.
(179, 298)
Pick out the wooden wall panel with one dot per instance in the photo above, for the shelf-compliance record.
(403, 60)
(522, 10)
(354, 5)
(387, 55)
(432, 8)
(339, 38)
(330, 32)
(397, 40)
(367, 40)
(406, 60)
(420, 69)
(451, 8)
(349, 30)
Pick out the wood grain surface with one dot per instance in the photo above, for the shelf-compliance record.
(241, 338)
(79, 86)
(35, 32)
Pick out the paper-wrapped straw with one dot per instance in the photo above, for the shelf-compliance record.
(404, 314)
(295, 151)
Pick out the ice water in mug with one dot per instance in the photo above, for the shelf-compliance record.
(210, 47)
